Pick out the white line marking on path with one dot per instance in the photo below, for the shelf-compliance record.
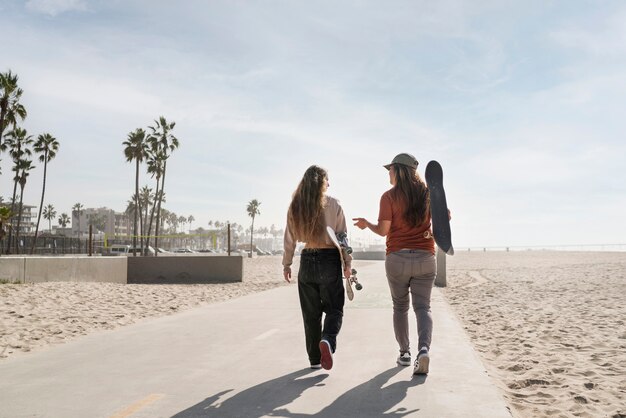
(267, 334)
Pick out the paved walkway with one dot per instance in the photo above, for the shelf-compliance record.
(246, 358)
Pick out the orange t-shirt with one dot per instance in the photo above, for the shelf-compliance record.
(401, 235)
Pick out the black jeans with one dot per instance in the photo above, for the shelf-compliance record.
(320, 287)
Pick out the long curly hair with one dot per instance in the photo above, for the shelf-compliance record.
(306, 211)
(412, 189)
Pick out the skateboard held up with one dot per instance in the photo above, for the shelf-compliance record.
(439, 207)
(341, 242)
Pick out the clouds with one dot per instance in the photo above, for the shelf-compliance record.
(55, 7)
(521, 102)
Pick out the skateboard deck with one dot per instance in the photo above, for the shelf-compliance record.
(341, 242)
(439, 207)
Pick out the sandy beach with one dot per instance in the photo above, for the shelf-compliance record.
(33, 316)
(549, 326)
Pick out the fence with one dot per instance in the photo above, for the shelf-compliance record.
(52, 245)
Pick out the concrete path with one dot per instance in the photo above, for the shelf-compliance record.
(246, 358)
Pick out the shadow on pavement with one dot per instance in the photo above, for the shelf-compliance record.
(257, 401)
(369, 399)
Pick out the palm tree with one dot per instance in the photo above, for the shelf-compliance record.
(253, 211)
(182, 221)
(18, 142)
(155, 168)
(173, 221)
(63, 220)
(10, 108)
(98, 221)
(47, 146)
(136, 149)
(78, 210)
(5, 217)
(145, 200)
(190, 219)
(25, 166)
(162, 141)
(49, 213)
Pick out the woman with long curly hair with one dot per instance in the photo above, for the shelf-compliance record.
(404, 218)
(320, 284)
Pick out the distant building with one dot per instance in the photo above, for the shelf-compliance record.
(113, 224)
(29, 217)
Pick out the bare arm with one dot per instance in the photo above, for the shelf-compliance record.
(381, 228)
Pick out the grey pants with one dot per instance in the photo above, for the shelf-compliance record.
(411, 272)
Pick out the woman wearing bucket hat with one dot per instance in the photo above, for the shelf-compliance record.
(320, 284)
(404, 218)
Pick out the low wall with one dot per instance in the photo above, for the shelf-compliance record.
(185, 269)
(12, 269)
(63, 269)
(368, 255)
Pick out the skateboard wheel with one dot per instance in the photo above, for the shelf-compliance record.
(353, 272)
(349, 250)
(358, 286)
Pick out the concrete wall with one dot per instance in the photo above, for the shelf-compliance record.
(64, 269)
(368, 255)
(12, 269)
(185, 270)
(163, 269)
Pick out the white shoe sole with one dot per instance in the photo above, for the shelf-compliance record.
(422, 365)
(403, 363)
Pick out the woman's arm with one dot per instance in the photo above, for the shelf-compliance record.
(381, 228)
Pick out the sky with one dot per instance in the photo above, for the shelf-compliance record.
(522, 103)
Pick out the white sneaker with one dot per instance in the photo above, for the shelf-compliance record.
(404, 359)
(421, 362)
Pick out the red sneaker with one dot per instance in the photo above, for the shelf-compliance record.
(327, 355)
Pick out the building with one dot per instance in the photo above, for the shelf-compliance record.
(105, 220)
(29, 218)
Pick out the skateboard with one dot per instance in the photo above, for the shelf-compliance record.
(341, 242)
(439, 207)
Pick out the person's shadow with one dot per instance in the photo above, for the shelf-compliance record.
(369, 399)
(257, 401)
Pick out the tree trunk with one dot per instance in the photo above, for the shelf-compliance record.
(156, 230)
(43, 192)
(251, 235)
(136, 209)
(19, 221)
(2, 114)
(156, 198)
(13, 208)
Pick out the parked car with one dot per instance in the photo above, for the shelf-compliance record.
(119, 249)
(122, 249)
(184, 251)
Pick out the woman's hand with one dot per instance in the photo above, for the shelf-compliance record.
(381, 228)
(360, 223)
(287, 274)
(347, 271)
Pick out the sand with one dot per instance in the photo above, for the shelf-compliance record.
(34, 316)
(549, 327)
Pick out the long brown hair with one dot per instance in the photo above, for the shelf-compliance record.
(410, 187)
(306, 211)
